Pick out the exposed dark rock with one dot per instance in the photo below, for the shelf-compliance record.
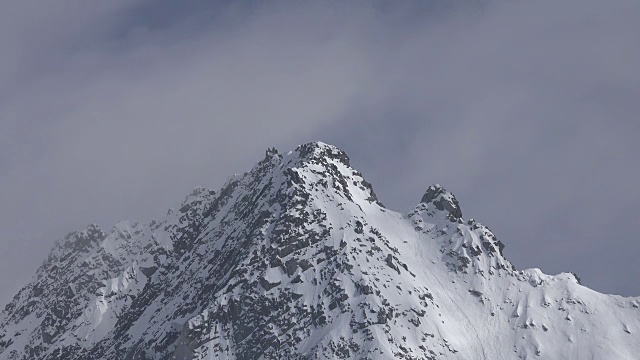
(442, 200)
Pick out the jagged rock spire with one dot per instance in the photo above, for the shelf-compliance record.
(443, 200)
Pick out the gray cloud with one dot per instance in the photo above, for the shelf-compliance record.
(526, 110)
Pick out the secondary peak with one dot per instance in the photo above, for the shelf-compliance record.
(442, 200)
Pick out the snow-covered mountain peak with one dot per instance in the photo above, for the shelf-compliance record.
(319, 151)
(443, 200)
(297, 259)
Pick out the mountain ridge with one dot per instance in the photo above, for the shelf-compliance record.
(297, 258)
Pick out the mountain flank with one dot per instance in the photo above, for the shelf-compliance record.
(298, 259)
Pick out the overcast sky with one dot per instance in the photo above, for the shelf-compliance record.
(528, 111)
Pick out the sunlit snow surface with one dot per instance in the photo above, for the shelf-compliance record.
(297, 259)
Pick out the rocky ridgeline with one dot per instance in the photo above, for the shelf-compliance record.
(297, 259)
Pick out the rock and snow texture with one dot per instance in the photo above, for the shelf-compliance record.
(297, 259)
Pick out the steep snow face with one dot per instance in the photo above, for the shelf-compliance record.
(298, 259)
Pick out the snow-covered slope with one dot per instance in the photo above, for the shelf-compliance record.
(297, 259)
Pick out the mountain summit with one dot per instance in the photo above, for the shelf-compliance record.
(297, 259)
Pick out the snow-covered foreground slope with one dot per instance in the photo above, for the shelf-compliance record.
(297, 259)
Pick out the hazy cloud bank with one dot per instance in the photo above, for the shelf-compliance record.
(527, 110)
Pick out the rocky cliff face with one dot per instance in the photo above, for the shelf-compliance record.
(297, 259)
